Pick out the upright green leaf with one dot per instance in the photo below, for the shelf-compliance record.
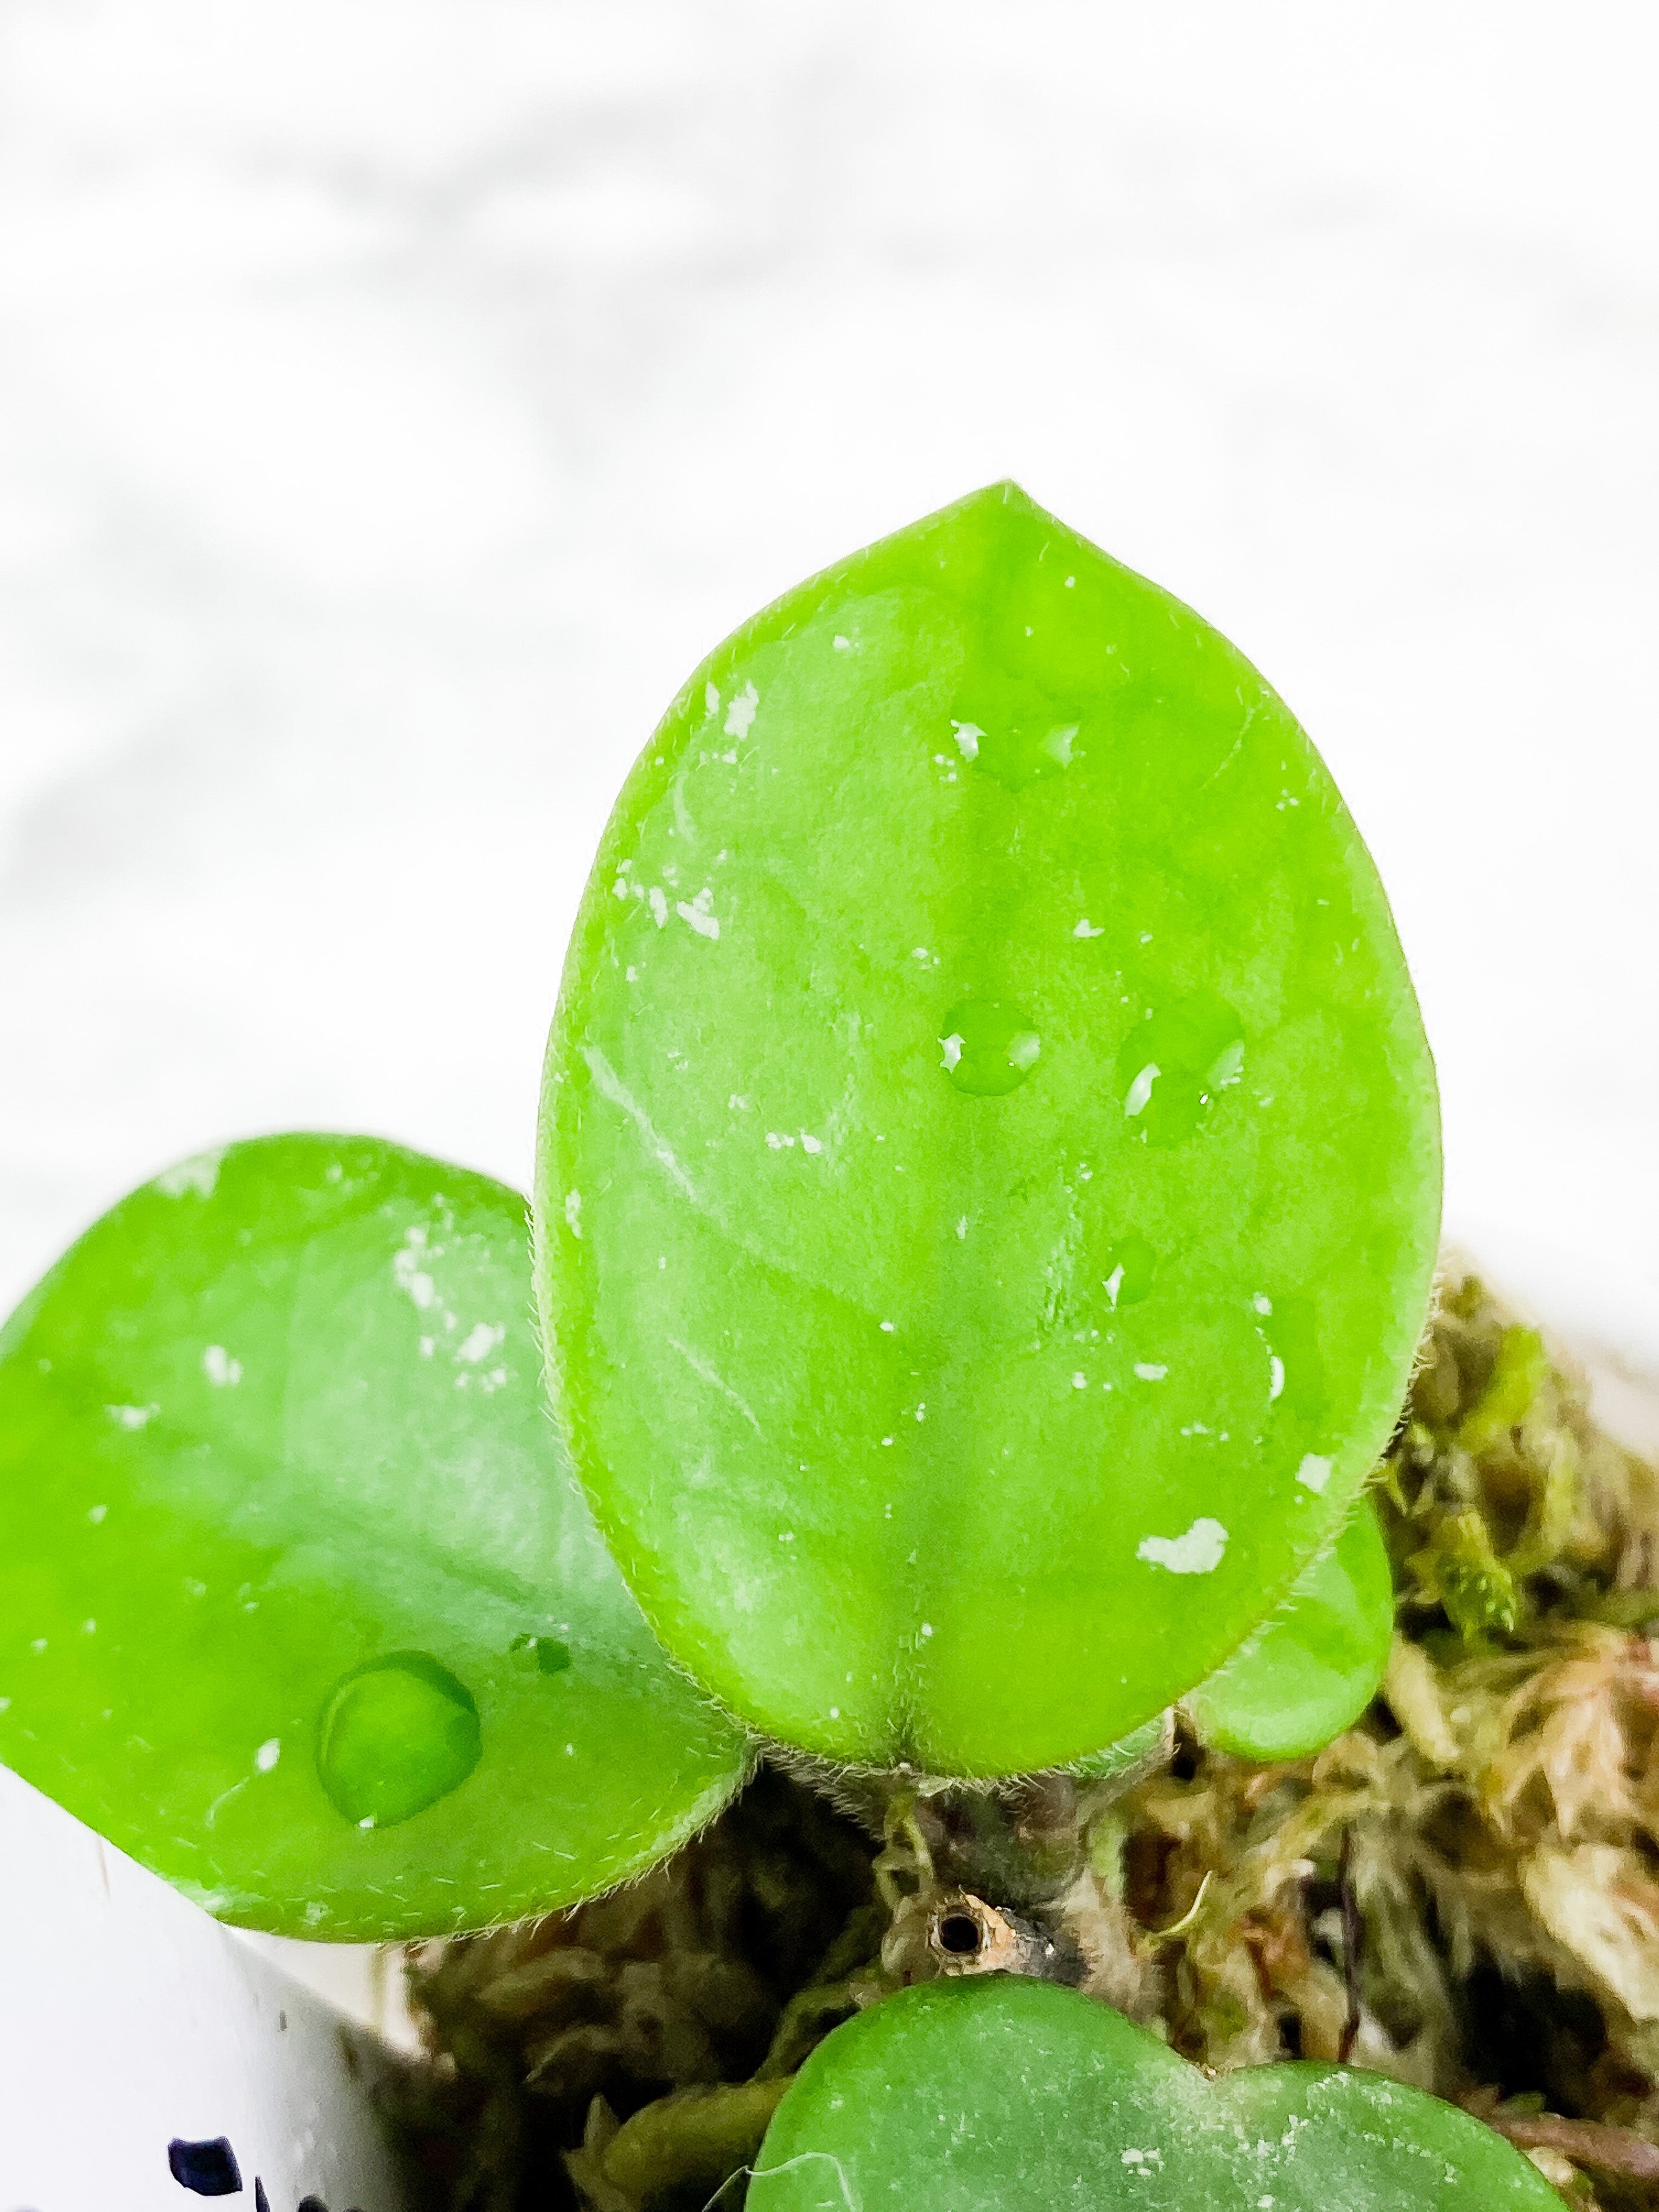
(298, 1602)
(1009, 2095)
(989, 1177)
(1312, 1668)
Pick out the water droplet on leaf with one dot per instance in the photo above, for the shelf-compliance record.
(1176, 1066)
(1131, 1263)
(1011, 728)
(989, 1047)
(551, 1656)
(397, 1736)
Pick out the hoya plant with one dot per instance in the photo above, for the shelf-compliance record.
(986, 1210)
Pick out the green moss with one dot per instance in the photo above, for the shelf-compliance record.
(1459, 1567)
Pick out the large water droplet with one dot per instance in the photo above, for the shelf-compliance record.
(1131, 1263)
(1174, 1066)
(989, 1047)
(397, 1736)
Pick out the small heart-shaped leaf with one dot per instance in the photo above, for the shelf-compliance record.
(1312, 1667)
(1009, 2095)
(298, 1603)
(989, 1176)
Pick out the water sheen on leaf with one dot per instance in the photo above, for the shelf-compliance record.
(1010, 2095)
(1314, 1667)
(298, 1603)
(988, 1183)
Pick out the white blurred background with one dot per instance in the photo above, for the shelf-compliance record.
(397, 396)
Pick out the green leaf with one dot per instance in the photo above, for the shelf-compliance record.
(298, 1602)
(1010, 2095)
(1140, 1748)
(988, 1185)
(1315, 1666)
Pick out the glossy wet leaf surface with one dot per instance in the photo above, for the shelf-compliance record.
(1312, 1669)
(298, 1602)
(1009, 2095)
(989, 1178)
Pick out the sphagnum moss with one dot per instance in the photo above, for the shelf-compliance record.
(1462, 1892)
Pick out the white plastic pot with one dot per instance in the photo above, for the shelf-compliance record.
(141, 2042)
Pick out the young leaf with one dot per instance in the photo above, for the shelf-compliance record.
(1004, 2094)
(1314, 1667)
(989, 1176)
(298, 1603)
